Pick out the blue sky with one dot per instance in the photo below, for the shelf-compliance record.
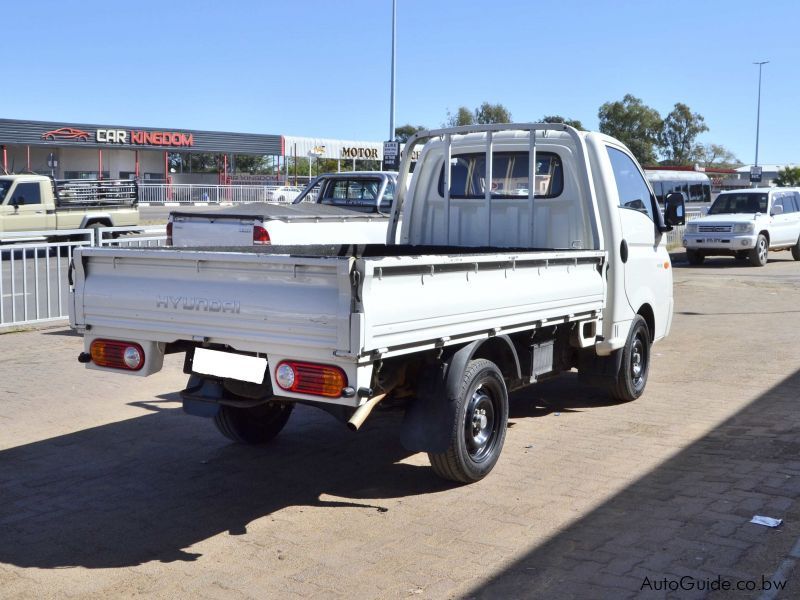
(321, 68)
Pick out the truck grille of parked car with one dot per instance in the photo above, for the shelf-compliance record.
(715, 228)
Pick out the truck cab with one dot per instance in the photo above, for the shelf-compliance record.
(27, 203)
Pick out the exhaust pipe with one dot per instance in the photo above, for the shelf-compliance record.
(362, 412)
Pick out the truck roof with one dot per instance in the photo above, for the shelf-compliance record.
(24, 177)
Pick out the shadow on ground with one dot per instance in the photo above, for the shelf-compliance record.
(147, 488)
(688, 517)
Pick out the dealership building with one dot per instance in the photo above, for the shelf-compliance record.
(159, 154)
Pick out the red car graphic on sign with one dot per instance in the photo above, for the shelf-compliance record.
(66, 133)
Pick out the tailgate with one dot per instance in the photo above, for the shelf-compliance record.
(214, 229)
(252, 302)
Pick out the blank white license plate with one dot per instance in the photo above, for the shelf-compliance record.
(226, 364)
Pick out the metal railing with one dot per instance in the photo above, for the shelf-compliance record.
(34, 267)
(190, 193)
(33, 275)
(675, 237)
(132, 237)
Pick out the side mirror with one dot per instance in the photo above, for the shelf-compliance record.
(674, 210)
(777, 210)
(15, 202)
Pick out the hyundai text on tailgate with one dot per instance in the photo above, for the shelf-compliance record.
(513, 253)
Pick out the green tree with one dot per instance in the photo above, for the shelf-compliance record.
(559, 119)
(715, 155)
(677, 139)
(788, 177)
(492, 113)
(634, 124)
(462, 117)
(402, 133)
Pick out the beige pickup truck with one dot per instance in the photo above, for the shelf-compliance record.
(40, 203)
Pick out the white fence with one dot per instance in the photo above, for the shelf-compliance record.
(34, 284)
(163, 193)
(675, 237)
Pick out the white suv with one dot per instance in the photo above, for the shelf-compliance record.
(746, 224)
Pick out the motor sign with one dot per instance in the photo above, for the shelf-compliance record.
(755, 174)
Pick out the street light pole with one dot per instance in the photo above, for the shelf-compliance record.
(394, 47)
(758, 113)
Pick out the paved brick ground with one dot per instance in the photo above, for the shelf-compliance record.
(108, 489)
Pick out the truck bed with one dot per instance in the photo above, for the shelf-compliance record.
(282, 212)
(351, 302)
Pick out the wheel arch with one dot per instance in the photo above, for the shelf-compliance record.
(646, 312)
(103, 220)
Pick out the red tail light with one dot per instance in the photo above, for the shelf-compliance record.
(310, 378)
(169, 233)
(117, 355)
(260, 236)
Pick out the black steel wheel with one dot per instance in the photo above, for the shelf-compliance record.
(632, 376)
(254, 425)
(479, 427)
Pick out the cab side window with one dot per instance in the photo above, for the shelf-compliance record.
(786, 201)
(27, 193)
(631, 186)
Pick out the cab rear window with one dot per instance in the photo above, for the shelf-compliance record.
(509, 175)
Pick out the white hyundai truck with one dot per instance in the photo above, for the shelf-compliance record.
(489, 280)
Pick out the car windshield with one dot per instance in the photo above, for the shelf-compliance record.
(5, 185)
(739, 203)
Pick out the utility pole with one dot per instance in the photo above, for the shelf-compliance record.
(758, 113)
(394, 48)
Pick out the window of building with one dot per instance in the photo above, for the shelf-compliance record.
(85, 174)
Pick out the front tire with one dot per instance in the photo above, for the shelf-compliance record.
(479, 427)
(254, 425)
(695, 257)
(759, 253)
(632, 376)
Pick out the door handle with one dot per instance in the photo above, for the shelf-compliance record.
(623, 251)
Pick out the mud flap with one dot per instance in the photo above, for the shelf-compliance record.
(429, 418)
(201, 396)
(599, 370)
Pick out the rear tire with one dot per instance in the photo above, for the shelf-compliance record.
(632, 377)
(796, 250)
(255, 425)
(695, 257)
(479, 427)
(758, 255)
